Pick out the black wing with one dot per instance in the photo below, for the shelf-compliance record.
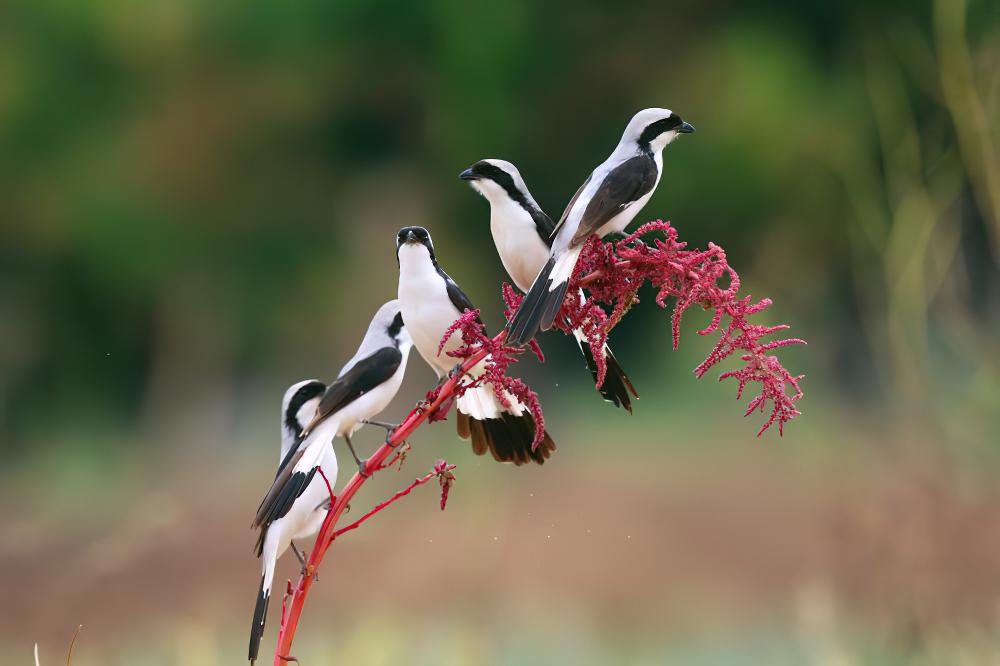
(366, 374)
(544, 225)
(626, 183)
(287, 487)
(457, 296)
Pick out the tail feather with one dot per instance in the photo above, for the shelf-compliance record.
(465, 428)
(494, 428)
(269, 558)
(553, 304)
(617, 386)
(526, 321)
(259, 617)
(542, 303)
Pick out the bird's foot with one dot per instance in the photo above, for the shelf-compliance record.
(441, 413)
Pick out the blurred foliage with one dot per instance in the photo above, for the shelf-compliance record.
(186, 188)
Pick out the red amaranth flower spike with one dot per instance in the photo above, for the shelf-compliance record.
(495, 366)
(613, 273)
(446, 477)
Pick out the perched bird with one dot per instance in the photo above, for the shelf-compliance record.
(431, 302)
(303, 518)
(318, 413)
(606, 203)
(522, 233)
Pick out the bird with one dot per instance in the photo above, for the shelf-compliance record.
(306, 513)
(606, 203)
(522, 233)
(313, 414)
(430, 302)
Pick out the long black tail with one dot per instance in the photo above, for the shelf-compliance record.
(538, 309)
(617, 386)
(259, 617)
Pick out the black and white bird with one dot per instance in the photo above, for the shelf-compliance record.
(431, 302)
(312, 415)
(606, 203)
(522, 233)
(304, 516)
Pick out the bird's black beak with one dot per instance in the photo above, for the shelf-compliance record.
(411, 237)
(686, 128)
(468, 174)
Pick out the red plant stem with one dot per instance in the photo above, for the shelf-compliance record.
(378, 507)
(327, 533)
(598, 274)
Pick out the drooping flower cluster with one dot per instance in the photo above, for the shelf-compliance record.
(608, 277)
(446, 477)
(495, 364)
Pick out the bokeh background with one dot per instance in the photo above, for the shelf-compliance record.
(197, 208)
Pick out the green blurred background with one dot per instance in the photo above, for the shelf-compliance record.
(197, 208)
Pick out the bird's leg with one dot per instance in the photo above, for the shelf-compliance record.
(455, 373)
(361, 463)
(425, 404)
(301, 557)
(389, 427)
(298, 555)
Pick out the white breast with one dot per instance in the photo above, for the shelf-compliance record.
(521, 249)
(427, 310)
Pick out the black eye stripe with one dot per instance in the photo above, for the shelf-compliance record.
(396, 325)
(655, 129)
(301, 397)
(503, 179)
